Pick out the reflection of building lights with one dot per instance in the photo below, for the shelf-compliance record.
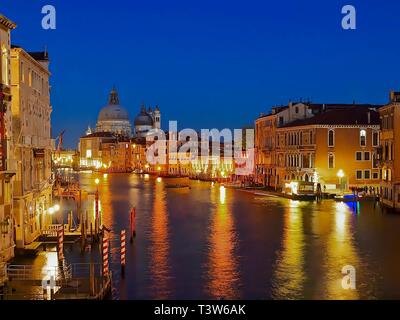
(105, 176)
(159, 168)
(222, 194)
(146, 176)
(97, 181)
(50, 210)
(56, 207)
(159, 179)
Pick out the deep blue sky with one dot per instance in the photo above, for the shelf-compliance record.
(209, 63)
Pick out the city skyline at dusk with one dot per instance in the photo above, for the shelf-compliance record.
(199, 159)
(230, 61)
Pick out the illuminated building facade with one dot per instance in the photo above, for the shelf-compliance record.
(336, 148)
(333, 144)
(31, 114)
(66, 159)
(7, 168)
(91, 149)
(389, 159)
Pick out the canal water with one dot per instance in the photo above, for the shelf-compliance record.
(211, 242)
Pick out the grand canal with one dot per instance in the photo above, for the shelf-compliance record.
(215, 242)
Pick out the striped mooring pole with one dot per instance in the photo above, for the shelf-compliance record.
(60, 242)
(105, 256)
(123, 252)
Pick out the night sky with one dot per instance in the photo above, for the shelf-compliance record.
(209, 63)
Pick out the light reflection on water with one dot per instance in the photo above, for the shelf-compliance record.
(222, 275)
(212, 242)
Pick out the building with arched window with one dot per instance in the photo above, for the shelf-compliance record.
(6, 162)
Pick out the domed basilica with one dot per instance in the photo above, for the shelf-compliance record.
(114, 118)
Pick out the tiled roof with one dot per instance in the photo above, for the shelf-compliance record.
(340, 116)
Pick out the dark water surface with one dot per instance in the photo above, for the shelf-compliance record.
(212, 242)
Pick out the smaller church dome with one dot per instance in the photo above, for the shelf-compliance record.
(143, 118)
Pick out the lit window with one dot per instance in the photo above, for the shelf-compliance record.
(331, 161)
(88, 153)
(4, 65)
(363, 138)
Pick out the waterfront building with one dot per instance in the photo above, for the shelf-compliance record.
(7, 163)
(66, 159)
(266, 159)
(91, 147)
(335, 148)
(389, 158)
(31, 124)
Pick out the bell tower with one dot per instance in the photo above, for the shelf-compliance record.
(157, 118)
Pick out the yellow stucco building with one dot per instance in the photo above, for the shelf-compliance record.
(31, 113)
(7, 169)
(389, 158)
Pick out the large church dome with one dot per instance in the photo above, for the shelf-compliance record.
(113, 110)
(114, 117)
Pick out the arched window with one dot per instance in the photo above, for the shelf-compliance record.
(331, 138)
(363, 138)
(4, 65)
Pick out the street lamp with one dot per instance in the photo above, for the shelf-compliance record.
(340, 175)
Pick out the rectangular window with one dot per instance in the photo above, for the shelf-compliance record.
(374, 161)
(367, 156)
(359, 174)
(358, 155)
(367, 174)
(375, 175)
(375, 138)
(331, 161)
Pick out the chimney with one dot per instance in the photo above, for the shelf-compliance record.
(369, 117)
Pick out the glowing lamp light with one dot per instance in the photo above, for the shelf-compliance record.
(340, 173)
(56, 207)
(105, 176)
(97, 181)
(294, 186)
(159, 179)
(50, 210)
(159, 168)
